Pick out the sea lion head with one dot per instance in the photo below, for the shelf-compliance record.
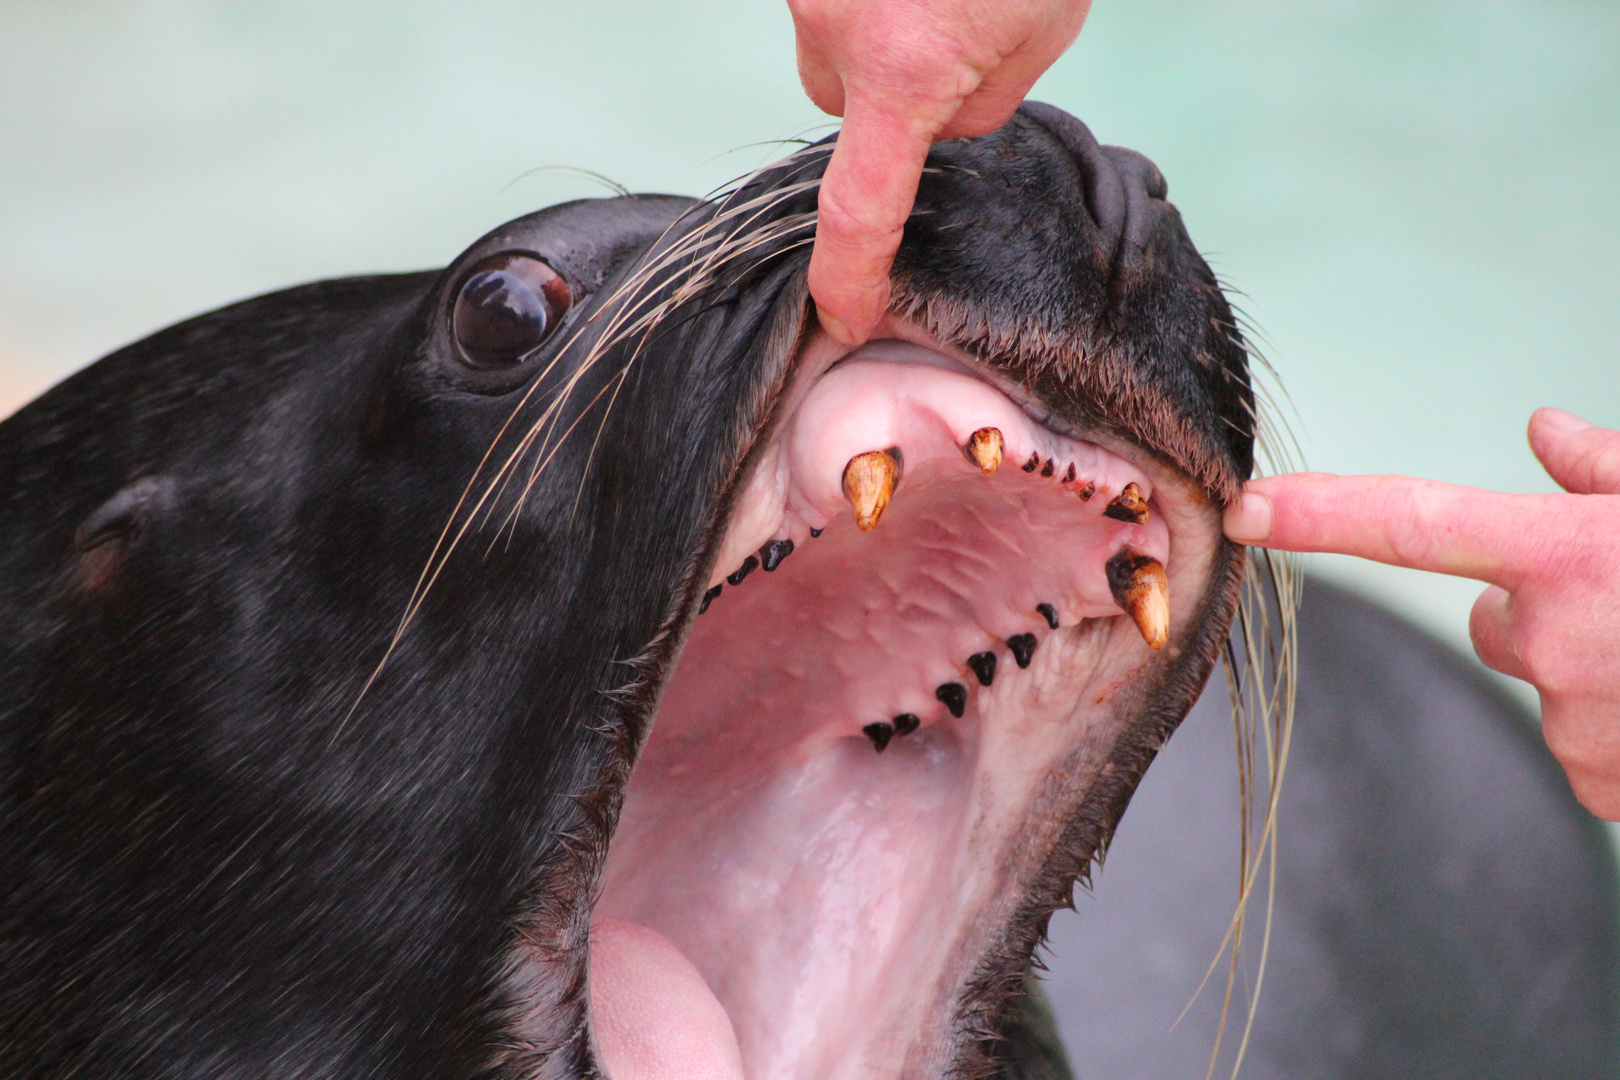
(372, 636)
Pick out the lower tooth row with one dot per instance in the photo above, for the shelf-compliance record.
(953, 695)
(1139, 585)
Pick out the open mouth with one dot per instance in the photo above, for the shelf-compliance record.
(936, 625)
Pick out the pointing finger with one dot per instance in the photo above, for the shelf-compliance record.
(1421, 524)
(866, 196)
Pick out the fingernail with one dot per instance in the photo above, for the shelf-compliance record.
(835, 327)
(1562, 420)
(1248, 521)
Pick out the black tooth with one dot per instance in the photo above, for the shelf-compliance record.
(880, 734)
(1068, 477)
(1033, 462)
(708, 598)
(1047, 612)
(906, 723)
(984, 666)
(1128, 506)
(954, 695)
(1022, 646)
(772, 554)
(1046, 470)
(749, 565)
(815, 533)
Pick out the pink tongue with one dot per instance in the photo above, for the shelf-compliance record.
(656, 1019)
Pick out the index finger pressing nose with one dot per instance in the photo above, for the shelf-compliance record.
(866, 196)
(1421, 524)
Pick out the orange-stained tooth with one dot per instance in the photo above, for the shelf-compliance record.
(1129, 506)
(869, 481)
(1140, 586)
(984, 449)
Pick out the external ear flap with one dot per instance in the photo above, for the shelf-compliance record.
(102, 538)
(125, 514)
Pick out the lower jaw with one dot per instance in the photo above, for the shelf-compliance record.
(782, 899)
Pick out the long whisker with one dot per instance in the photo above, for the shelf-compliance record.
(684, 265)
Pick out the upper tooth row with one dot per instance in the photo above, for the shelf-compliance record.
(870, 479)
(1137, 581)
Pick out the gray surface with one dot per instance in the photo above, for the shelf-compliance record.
(1416, 933)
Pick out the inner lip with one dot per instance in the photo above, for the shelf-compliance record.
(866, 754)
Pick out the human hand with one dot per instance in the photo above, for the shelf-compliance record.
(903, 73)
(1551, 615)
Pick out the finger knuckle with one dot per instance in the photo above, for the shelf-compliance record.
(1410, 528)
(845, 218)
(1543, 662)
(1572, 746)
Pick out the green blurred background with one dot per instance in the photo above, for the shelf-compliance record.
(1416, 200)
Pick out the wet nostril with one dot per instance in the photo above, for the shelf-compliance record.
(1158, 186)
(1100, 185)
(1148, 174)
(1119, 188)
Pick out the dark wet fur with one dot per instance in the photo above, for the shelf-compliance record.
(219, 857)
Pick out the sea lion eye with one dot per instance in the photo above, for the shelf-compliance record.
(506, 307)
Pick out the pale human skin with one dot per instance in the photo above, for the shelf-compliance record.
(903, 73)
(1551, 612)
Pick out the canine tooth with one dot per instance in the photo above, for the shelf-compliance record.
(954, 697)
(984, 449)
(708, 598)
(1140, 586)
(1049, 613)
(869, 481)
(1046, 470)
(1129, 506)
(1087, 492)
(748, 567)
(880, 734)
(906, 723)
(984, 666)
(772, 554)
(1033, 463)
(1068, 477)
(1022, 647)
